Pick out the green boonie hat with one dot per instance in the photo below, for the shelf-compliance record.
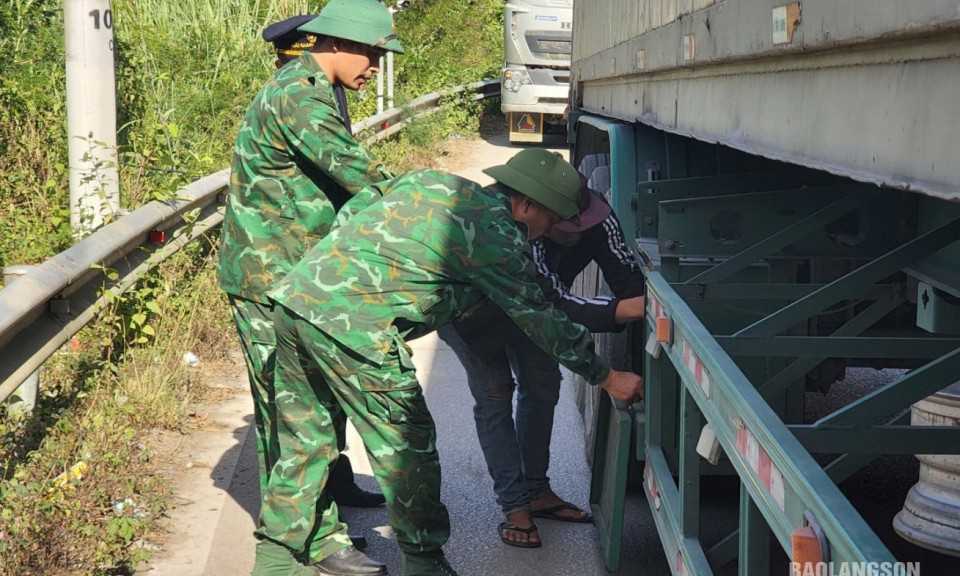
(543, 176)
(364, 21)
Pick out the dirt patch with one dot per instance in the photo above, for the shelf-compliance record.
(493, 124)
(217, 382)
(196, 463)
(456, 153)
(450, 156)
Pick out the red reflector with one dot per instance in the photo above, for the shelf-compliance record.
(157, 236)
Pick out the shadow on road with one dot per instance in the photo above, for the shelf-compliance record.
(238, 475)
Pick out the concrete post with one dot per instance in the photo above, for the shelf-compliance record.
(91, 113)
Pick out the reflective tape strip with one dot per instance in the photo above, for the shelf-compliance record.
(700, 374)
(651, 484)
(758, 459)
(655, 307)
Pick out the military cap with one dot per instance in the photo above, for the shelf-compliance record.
(364, 21)
(543, 176)
(286, 39)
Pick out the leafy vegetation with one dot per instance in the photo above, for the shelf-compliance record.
(78, 481)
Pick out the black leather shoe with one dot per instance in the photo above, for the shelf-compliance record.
(349, 562)
(357, 497)
(344, 490)
(428, 564)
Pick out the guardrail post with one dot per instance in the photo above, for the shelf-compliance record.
(24, 400)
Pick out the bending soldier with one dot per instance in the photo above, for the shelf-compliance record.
(432, 249)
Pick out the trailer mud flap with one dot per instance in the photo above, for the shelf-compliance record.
(608, 485)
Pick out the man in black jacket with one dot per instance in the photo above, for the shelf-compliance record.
(492, 349)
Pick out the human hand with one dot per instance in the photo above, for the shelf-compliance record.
(630, 309)
(626, 387)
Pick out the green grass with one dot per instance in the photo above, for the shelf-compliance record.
(99, 399)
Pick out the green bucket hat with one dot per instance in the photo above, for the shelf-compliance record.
(364, 21)
(543, 176)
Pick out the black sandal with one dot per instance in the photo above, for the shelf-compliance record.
(553, 513)
(504, 526)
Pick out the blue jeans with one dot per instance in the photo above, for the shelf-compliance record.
(517, 453)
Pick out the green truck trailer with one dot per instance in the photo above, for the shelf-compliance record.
(790, 179)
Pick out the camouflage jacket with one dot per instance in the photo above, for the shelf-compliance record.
(295, 164)
(433, 248)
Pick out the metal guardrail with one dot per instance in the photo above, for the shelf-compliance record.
(58, 297)
(391, 121)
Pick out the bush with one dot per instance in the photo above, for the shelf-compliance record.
(34, 216)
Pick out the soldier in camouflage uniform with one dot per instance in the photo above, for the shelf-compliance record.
(294, 166)
(290, 44)
(434, 248)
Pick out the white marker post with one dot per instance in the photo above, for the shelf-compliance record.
(380, 86)
(91, 113)
(389, 80)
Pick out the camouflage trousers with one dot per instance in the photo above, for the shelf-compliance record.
(258, 341)
(254, 322)
(315, 377)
